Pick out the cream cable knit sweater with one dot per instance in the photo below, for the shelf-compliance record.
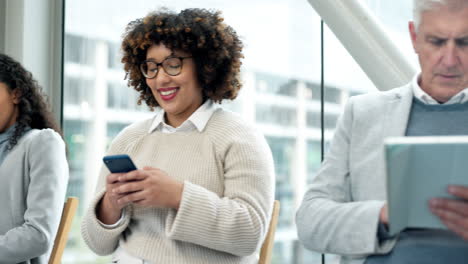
(226, 204)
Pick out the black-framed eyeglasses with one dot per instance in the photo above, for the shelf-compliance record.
(171, 65)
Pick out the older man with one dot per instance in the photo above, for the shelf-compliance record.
(344, 212)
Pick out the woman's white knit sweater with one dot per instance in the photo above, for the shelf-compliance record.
(228, 176)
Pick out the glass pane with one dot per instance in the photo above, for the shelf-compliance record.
(394, 16)
(343, 78)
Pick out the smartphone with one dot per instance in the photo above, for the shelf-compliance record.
(119, 163)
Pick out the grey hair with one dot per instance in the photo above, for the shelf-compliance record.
(419, 6)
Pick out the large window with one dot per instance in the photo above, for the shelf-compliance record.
(281, 95)
(394, 16)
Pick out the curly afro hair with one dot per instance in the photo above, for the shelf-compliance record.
(33, 108)
(215, 47)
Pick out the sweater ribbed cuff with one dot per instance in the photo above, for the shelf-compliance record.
(100, 239)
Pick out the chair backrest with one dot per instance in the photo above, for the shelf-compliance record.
(267, 247)
(60, 242)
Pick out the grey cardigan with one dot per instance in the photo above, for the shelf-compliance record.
(33, 182)
(340, 211)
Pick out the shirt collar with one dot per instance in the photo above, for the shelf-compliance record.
(197, 120)
(419, 93)
(7, 133)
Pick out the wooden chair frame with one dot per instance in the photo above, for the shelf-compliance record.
(61, 238)
(267, 247)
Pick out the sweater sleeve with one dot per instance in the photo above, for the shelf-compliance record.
(48, 178)
(329, 220)
(100, 239)
(236, 222)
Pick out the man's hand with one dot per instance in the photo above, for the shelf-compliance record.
(453, 213)
(383, 216)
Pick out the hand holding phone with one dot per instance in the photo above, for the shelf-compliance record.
(158, 190)
(109, 209)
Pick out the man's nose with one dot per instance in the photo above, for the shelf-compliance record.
(450, 55)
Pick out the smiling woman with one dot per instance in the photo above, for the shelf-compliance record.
(180, 93)
(204, 193)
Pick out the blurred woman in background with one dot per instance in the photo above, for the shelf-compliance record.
(33, 168)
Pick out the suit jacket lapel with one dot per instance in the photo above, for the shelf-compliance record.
(397, 112)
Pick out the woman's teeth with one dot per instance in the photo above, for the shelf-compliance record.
(165, 93)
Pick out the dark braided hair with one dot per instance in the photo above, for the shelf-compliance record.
(33, 109)
(215, 47)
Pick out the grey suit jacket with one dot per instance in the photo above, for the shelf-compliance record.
(33, 182)
(340, 211)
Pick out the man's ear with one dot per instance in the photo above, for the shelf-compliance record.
(413, 35)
